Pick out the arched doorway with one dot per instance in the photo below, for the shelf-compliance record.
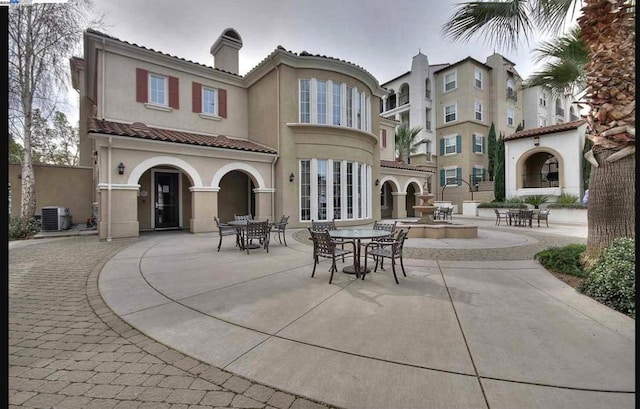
(386, 200)
(541, 170)
(236, 195)
(412, 190)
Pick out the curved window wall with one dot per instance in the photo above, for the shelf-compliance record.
(329, 102)
(334, 190)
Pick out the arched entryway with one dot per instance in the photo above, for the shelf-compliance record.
(236, 195)
(412, 189)
(164, 199)
(540, 170)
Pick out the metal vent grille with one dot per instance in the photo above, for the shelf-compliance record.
(50, 219)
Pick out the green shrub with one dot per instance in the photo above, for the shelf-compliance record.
(576, 205)
(563, 260)
(565, 198)
(612, 278)
(536, 200)
(20, 228)
(502, 205)
(514, 200)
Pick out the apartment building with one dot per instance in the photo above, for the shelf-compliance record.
(174, 143)
(541, 108)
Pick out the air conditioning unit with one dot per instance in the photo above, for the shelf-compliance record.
(55, 218)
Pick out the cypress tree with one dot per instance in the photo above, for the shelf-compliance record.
(491, 150)
(498, 179)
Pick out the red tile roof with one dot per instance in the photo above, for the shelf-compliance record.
(401, 165)
(544, 130)
(142, 131)
(101, 34)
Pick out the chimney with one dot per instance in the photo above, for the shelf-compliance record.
(225, 51)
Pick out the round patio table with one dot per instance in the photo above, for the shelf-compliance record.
(357, 235)
(242, 225)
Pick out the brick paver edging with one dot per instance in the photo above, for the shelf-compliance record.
(67, 349)
(525, 252)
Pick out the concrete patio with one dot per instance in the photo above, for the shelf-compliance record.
(460, 331)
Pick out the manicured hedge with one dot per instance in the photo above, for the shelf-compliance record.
(502, 205)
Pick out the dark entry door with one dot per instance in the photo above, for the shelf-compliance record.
(167, 205)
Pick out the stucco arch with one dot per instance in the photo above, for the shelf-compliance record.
(253, 173)
(520, 162)
(410, 181)
(394, 183)
(147, 164)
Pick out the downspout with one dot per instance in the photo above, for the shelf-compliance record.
(275, 159)
(109, 192)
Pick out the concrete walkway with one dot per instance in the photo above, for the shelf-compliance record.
(476, 324)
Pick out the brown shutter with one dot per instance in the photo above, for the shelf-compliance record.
(196, 97)
(222, 102)
(174, 93)
(384, 138)
(142, 93)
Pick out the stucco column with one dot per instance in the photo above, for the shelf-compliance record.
(399, 205)
(204, 206)
(122, 218)
(264, 209)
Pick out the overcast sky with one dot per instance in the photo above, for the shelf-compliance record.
(380, 36)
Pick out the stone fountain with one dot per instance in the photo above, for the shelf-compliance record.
(426, 208)
(428, 228)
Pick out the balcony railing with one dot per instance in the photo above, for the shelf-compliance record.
(403, 99)
(560, 111)
(427, 94)
(574, 117)
(512, 94)
(428, 126)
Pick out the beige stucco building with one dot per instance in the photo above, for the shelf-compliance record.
(174, 143)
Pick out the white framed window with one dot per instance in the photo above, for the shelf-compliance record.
(477, 108)
(478, 143)
(477, 174)
(450, 81)
(305, 101)
(477, 78)
(321, 102)
(450, 145)
(511, 86)
(543, 99)
(451, 176)
(209, 101)
(450, 112)
(349, 107)
(337, 103)
(542, 121)
(510, 116)
(326, 183)
(158, 89)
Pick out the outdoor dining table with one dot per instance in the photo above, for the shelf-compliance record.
(241, 225)
(357, 235)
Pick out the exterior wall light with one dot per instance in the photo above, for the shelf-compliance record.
(291, 177)
(536, 141)
(121, 168)
(377, 182)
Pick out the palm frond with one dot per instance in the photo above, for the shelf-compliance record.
(502, 23)
(551, 15)
(567, 47)
(561, 77)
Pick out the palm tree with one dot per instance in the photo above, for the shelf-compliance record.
(405, 144)
(607, 32)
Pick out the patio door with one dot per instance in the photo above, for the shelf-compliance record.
(167, 203)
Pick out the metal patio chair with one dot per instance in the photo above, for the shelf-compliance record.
(324, 246)
(390, 249)
(226, 230)
(544, 215)
(279, 227)
(501, 216)
(260, 231)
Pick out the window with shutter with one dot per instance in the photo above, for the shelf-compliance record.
(384, 138)
(458, 143)
(174, 93)
(196, 97)
(142, 94)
